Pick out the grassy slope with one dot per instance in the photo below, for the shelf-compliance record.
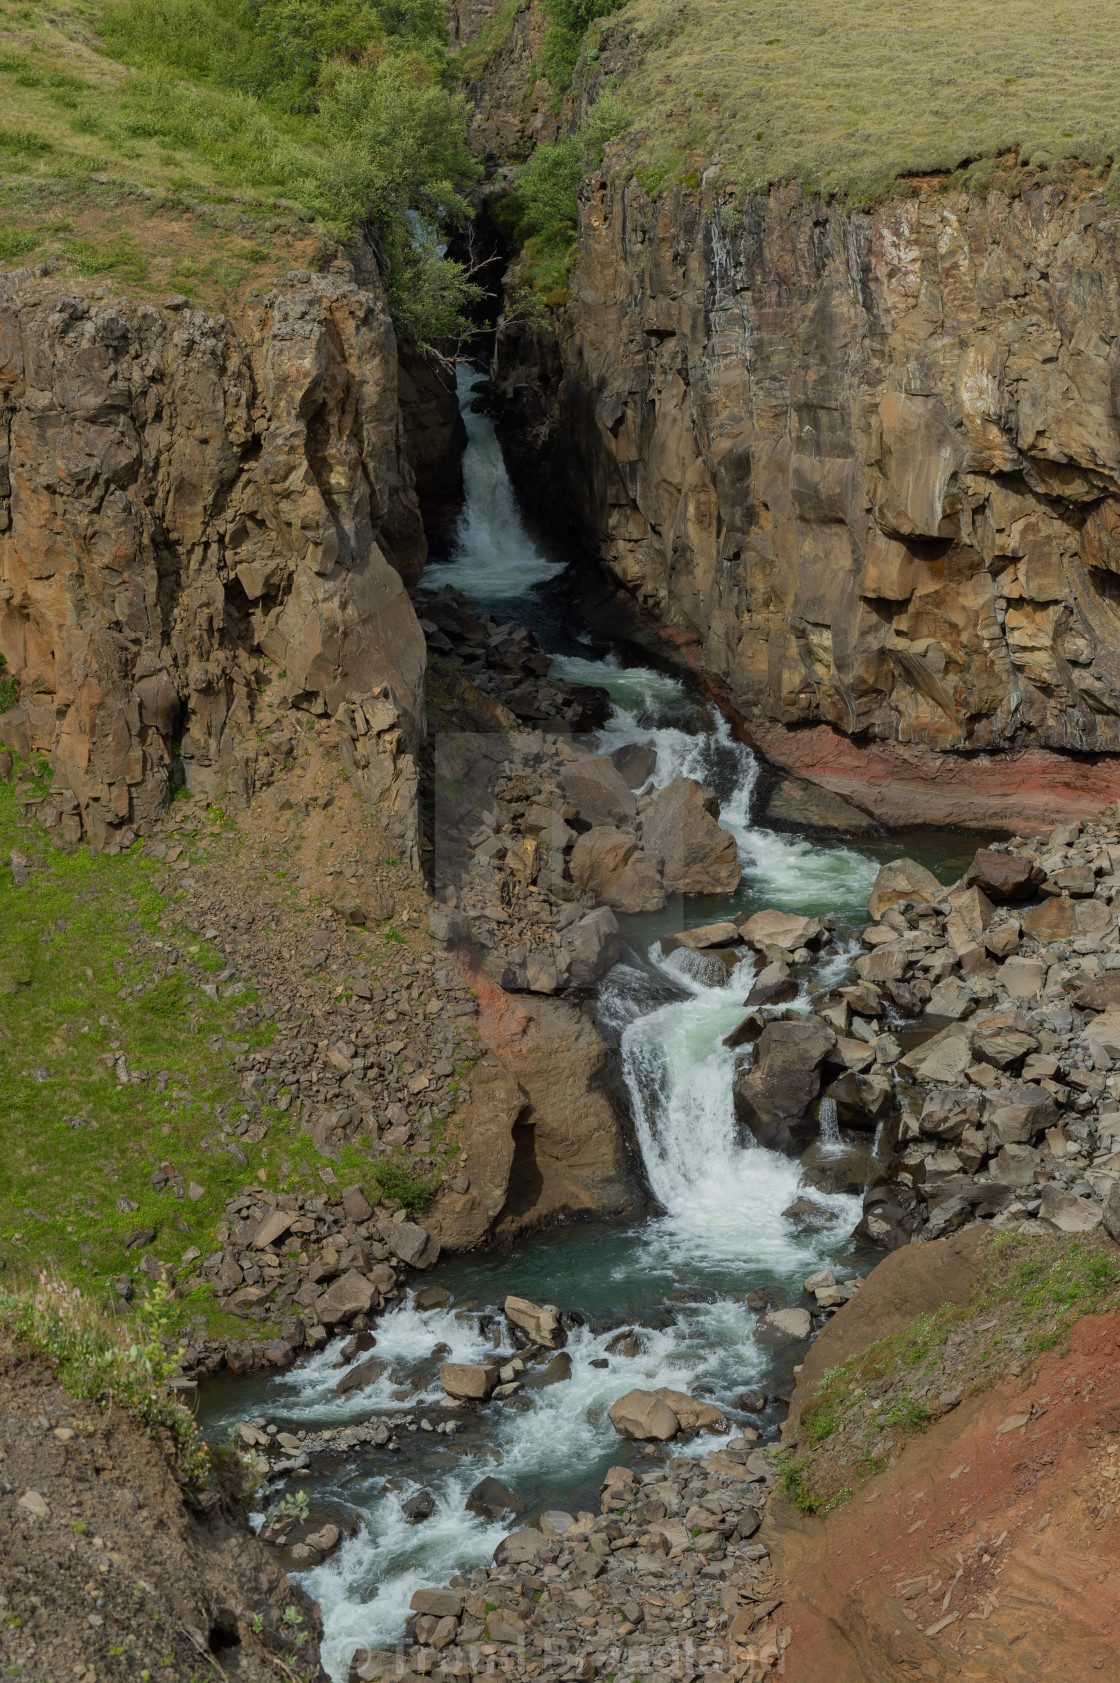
(80, 983)
(849, 94)
(1033, 1291)
(146, 179)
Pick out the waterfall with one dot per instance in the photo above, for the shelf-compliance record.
(827, 1121)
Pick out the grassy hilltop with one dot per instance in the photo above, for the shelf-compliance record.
(196, 143)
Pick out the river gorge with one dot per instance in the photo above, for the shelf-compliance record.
(683, 1285)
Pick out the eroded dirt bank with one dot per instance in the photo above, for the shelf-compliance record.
(110, 1571)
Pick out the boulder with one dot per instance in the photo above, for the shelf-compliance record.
(772, 986)
(773, 1093)
(493, 1500)
(356, 1206)
(861, 1100)
(644, 1416)
(1020, 1113)
(1065, 1213)
(903, 879)
(431, 1297)
(357, 1378)
(943, 1059)
(273, 1227)
(788, 930)
(520, 1548)
(783, 1326)
(693, 1416)
(542, 1324)
(468, 1382)
(610, 865)
(1054, 920)
(350, 1295)
(1003, 877)
(807, 1213)
(421, 1505)
(595, 787)
(374, 1665)
(1111, 1214)
(411, 1244)
(635, 763)
(707, 935)
(844, 1168)
(684, 842)
(439, 1603)
(1100, 994)
(592, 946)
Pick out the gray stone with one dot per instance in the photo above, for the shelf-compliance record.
(597, 789)
(411, 1244)
(346, 1297)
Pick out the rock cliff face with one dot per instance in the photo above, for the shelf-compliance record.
(864, 468)
(193, 512)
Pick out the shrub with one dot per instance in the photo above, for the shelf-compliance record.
(568, 22)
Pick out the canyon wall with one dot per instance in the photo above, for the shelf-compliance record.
(864, 469)
(199, 516)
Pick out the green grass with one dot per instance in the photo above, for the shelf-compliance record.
(847, 97)
(80, 1148)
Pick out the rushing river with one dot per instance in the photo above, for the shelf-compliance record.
(681, 1279)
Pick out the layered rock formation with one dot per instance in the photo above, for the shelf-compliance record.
(865, 469)
(195, 511)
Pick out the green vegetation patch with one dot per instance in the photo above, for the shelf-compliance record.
(848, 97)
(1033, 1291)
(108, 1365)
(110, 1070)
(346, 107)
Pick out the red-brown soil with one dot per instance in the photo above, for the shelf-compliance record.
(985, 1551)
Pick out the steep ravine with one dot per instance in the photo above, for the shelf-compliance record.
(863, 470)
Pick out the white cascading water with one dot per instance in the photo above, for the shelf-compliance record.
(723, 1231)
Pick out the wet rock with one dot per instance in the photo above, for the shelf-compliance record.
(493, 1500)
(773, 1095)
(644, 1416)
(684, 842)
(753, 1401)
(844, 1168)
(862, 1101)
(365, 1373)
(626, 1343)
(610, 865)
(783, 1326)
(468, 1381)
(787, 930)
(419, 1507)
(635, 763)
(772, 986)
(807, 1213)
(542, 1324)
(431, 1297)
(555, 1373)
(901, 880)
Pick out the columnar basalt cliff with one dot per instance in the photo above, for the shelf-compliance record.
(193, 513)
(864, 468)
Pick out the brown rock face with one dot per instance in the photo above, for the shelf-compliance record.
(865, 470)
(191, 513)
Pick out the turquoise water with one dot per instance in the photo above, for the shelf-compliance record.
(680, 1278)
